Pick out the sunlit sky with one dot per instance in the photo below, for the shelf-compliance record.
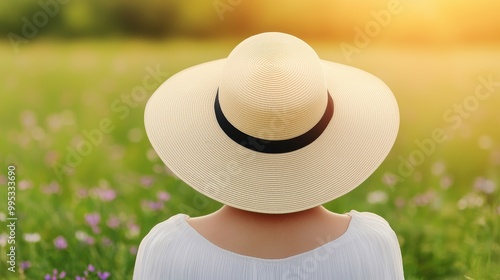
(399, 20)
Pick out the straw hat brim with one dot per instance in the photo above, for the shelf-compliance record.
(182, 127)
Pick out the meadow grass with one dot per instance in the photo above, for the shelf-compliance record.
(87, 216)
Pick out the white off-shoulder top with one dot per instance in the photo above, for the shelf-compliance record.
(367, 250)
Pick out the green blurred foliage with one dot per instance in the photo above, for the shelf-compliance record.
(79, 18)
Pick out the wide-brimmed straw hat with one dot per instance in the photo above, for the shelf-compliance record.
(272, 128)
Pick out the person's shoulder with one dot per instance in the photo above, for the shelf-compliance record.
(379, 243)
(368, 216)
(165, 231)
(372, 226)
(161, 246)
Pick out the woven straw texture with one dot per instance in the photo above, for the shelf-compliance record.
(272, 91)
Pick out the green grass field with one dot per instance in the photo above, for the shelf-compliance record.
(89, 186)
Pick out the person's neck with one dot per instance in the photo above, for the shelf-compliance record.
(231, 213)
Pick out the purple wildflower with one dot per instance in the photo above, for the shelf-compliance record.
(93, 219)
(105, 194)
(113, 222)
(55, 275)
(103, 275)
(146, 181)
(484, 185)
(60, 243)
(90, 240)
(389, 179)
(446, 182)
(151, 155)
(106, 241)
(3, 239)
(51, 188)
(152, 205)
(399, 202)
(155, 205)
(133, 250)
(25, 265)
(133, 230)
(25, 184)
(425, 198)
(82, 193)
(163, 196)
(51, 158)
(91, 268)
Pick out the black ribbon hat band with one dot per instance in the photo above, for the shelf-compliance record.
(273, 146)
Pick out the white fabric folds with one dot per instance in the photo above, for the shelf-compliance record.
(174, 250)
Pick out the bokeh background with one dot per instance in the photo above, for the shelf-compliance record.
(89, 185)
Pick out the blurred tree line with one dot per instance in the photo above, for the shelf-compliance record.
(85, 18)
